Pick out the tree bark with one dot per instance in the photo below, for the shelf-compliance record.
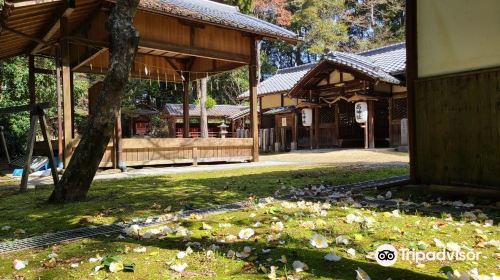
(202, 87)
(77, 179)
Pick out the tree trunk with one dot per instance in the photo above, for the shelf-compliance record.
(76, 180)
(202, 87)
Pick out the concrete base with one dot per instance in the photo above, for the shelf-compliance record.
(293, 146)
(277, 147)
(402, 149)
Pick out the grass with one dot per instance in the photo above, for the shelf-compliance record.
(402, 232)
(117, 200)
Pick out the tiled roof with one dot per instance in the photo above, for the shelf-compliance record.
(362, 64)
(194, 110)
(280, 110)
(380, 63)
(392, 58)
(283, 80)
(217, 13)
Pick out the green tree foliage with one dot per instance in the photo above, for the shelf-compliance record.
(14, 76)
(374, 23)
(319, 23)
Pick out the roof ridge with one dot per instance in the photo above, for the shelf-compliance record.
(287, 69)
(377, 50)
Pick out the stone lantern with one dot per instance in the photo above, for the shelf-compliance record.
(223, 129)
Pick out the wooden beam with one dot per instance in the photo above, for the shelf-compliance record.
(89, 58)
(33, 2)
(26, 36)
(23, 108)
(253, 83)
(44, 71)
(66, 80)
(411, 77)
(66, 10)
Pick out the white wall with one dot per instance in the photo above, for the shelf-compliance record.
(457, 35)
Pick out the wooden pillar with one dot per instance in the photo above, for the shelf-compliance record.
(119, 143)
(31, 79)
(371, 124)
(60, 144)
(253, 82)
(66, 79)
(185, 105)
(411, 78)
(316, 127)
(72, 96)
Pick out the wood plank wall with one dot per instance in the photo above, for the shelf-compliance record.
(458, 129)
(138, 152)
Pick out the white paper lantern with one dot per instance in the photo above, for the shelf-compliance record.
(307, 117)
(361, 112)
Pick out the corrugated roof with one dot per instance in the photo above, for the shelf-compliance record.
(194, 110)
(218, 13)
(282, 81)
(391, 59)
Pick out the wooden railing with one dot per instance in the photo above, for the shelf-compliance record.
(157, 151)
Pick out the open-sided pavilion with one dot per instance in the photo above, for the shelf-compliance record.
(180, 41)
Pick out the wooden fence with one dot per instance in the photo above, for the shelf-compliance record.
(156, 151)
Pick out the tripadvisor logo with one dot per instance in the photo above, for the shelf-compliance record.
(387, 255)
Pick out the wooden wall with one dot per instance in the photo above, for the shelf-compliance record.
(458, 129)
(155, 151)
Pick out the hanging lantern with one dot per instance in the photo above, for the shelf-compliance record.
(307, 117)
(361, 112)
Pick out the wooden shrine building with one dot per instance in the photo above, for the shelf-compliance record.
(329, 89)
(180, 41)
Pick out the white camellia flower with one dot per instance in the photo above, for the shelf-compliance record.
(341, 240)
(272, 274)
(179, 267)
(331, 257)
(351, 252)
(318, 241)
(115, 267)
(181, 254)
(132, 230)
(388, 195)
(139, 250)
(439, 243)
(456, 275)
(246, 233)
(5, 228)
(362, 275)
(299, 266)
(453, 247)
(18, 264)
(277, 227)
(395, 213)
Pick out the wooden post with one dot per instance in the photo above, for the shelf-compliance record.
(253, 82)
(411, 77)
(66, 79)
(185, 105)
(72, 96)
(29, 154)
(60, 144)
(195, 156)
(316, 127)
(371, 124)
(31, 79)
(48, 146)
(119, 143)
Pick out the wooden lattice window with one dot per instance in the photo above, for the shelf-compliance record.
(399, 108)
(327, 115)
